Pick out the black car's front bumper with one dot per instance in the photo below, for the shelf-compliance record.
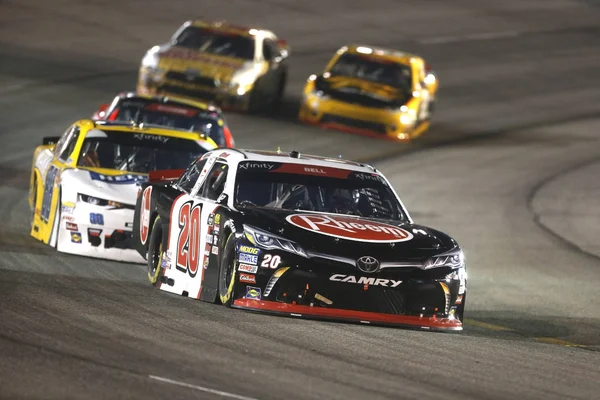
(418, 299)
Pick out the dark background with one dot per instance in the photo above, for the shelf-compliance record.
(508, 157)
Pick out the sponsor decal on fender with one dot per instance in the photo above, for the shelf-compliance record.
(215, 250)
(248, 268)
(166, 260)
(253, 293)
(145, 215)
(245, 278)
(363, 280)
(71, 226)
(248, 259)
(249, 250)
(67, 207)
(217, 219)
(350, 228)
(76, 237)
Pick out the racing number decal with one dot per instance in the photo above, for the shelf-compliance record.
(48, 191)
(270, 261)
(96, 219)
(145, 216)
(188, 242)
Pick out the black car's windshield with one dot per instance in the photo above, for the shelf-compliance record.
(375, 70)
(172, 116)
(304, 187)
(217, 42)
(137, 152)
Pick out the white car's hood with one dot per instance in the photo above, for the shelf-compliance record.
(122, 188)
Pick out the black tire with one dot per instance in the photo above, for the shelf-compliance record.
(227, 272)
(255, 102)
(155, 250)
(278, 98)
(432, 107)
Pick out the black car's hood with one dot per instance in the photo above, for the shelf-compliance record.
(351, 237)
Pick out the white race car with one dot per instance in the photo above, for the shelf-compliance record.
(84, 184)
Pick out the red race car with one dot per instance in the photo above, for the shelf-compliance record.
(168, 112)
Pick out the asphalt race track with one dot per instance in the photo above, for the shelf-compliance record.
(519, 91)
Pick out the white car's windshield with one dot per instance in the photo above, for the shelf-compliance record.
(304, 187)
(217, 42)
(137, 152)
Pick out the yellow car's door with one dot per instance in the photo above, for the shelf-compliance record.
(49, 161)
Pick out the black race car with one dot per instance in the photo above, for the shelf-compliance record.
(298, 235)
(168, 112)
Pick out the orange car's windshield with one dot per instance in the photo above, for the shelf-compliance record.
(374, 70)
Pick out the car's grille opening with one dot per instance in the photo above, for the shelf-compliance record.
(193, 80)
(376, 127)
(410, 298)
(118, 239)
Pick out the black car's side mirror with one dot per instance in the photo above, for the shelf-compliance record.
(50, 140)
(223, 198)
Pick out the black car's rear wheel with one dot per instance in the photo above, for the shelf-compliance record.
(227, 272)
(155, 251)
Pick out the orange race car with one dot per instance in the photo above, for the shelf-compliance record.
(372, 91)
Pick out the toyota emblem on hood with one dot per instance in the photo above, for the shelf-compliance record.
(368, 264)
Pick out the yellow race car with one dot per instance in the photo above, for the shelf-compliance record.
(84, 184)
(372, 91)
(232, 66)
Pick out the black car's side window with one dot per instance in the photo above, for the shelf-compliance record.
(190, 176)
(215, 181)
(269, 49)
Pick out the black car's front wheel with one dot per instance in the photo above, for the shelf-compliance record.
(227, 271)
(155, 252)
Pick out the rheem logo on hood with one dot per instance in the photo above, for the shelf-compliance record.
(350, 228)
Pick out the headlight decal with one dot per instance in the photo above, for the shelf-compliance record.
(268, 241)
(452, 259)
(96, 201)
